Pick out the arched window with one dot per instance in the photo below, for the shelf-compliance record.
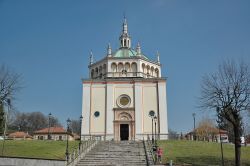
(92, 73)
(120, 67)
(96, 72)
(134, 68)
(157, 72)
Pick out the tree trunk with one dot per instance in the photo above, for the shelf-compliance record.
(237, 144)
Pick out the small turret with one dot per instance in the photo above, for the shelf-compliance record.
(91, 58)
(158, 57)
(109, 50)
(138, 49)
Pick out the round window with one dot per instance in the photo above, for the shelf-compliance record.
(123, 101)
(97, 114)
(151, 113)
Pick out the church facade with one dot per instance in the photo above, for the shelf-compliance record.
(124, 97)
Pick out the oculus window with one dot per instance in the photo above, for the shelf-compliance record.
(123, 101)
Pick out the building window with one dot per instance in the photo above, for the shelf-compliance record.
(123, 101)
(97, 114)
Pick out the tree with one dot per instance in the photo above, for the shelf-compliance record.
(224, 124)
(1, 119)
(228, 93)
(32, 121)
(36, 121)
(75, 126)
(9, 85)
(54, 122)
(206, 129)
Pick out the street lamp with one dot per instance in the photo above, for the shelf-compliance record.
(80, 132)
(67, 146)
(193, 114)
(152, 114)
(5, 123)
(49, 137)
(221, 147)
(155, 119)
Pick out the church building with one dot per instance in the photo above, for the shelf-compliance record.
(124, 97)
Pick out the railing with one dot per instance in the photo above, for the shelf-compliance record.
(78, 153)
(124, 74)
(146, 152)
(151, 146)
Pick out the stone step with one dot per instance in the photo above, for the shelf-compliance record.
(109, 153)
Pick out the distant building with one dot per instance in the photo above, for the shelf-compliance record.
(208, 134)
(56, 133)
(20, 136)
(123, 93)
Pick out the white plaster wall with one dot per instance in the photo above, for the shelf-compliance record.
(124, 89)
(138, 109)
(109, 110)
(97, 104)
(163, 109)
(149, 103)
(86, 108)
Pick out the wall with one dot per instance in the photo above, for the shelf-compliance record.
(11, 161)
(149, 103)
(97, 104)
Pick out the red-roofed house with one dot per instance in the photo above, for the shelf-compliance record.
(56, 133)
(20, 136)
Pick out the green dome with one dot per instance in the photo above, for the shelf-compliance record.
(126, 52)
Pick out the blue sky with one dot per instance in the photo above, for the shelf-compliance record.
(48, 42)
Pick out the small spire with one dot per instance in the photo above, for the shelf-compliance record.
(91, 58)
(158, 57)
(109, 50)
(125, 26)
(138, 49)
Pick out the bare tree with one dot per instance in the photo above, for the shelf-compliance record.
(54, 122)
(228, 92)
(75, 125)
(9, 84)
(206, 129)
(36, 121)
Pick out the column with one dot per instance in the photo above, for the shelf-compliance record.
(163, 109)
(86, 98)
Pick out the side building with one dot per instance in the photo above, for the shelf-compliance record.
(125, 95)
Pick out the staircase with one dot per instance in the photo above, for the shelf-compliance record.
(130, 153)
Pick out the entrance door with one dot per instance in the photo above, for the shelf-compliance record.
(124, 131)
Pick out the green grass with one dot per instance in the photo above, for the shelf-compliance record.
(201, 153)
(37, 148)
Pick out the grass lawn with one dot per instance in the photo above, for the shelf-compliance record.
(37, 148)
(201, 153)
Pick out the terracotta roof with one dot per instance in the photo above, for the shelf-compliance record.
(52, 130)
(19, 134)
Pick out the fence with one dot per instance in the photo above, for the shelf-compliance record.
(80, 152)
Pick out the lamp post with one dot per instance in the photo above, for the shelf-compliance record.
(152, 114)
(221, 147)
(155, 119)
(49, 137)
(80, 132)
(193, 114)
(67, 145)
(5, 124)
